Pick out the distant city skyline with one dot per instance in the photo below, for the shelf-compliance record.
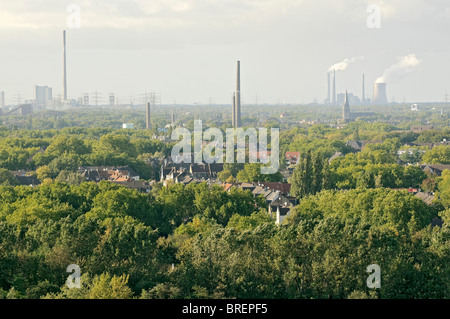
(187, 49)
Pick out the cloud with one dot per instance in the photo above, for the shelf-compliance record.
(341, 66)
(128, 14)
(406, 65)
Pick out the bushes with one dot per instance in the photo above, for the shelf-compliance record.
(222, 244)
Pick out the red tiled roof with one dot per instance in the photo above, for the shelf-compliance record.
(227, 186)
(292, 155)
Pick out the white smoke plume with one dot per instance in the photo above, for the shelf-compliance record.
(405, 66)
(341, 66)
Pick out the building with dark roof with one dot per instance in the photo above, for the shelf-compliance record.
(27, 180)
(434, 168)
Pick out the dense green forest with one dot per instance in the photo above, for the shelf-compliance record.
(69, 148)
(221, 244)
(200, 241)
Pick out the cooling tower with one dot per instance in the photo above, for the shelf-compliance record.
(379, 94)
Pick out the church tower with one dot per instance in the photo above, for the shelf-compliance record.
(346, 116)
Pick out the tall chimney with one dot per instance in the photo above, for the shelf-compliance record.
(147, 117)
(334, 87)
(233, 111)
(65, 74)
(238, 95)
(379, 94)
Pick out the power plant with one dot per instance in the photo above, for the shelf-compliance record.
(24, 109)
(349, 116)
(379, 94)
(236, 111)
(331, 97)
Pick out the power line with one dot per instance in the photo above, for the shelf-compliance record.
(96, 97)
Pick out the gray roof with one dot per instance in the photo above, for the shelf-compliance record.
(335, 155)
(284, 211)
(27, 180)
(428, 198)
(270, 195)
(436, 168)
(258, 190)
(437, 222)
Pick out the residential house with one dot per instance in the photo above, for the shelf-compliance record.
(113, 174)
(358, 146)
(141, 186)
(335, 155)
(27, 180)
(420, 128)
(434, 168)
(283, 188)
(40, 151)
(292, 158)
(426, 197)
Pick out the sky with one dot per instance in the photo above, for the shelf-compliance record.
(187, 49)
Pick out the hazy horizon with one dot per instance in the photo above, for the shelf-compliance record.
(187, 49)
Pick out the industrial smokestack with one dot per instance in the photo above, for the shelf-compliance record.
(238, 95)
(233, 111)
(379, 94)
(329, 89)
(147, 117)
(334, 87)
(65, 74)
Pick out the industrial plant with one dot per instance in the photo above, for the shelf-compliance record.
(379, 94)
(44, 97)
(236, 111)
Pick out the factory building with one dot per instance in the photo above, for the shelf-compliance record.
(43, 95)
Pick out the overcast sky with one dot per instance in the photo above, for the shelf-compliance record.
(187, 49)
